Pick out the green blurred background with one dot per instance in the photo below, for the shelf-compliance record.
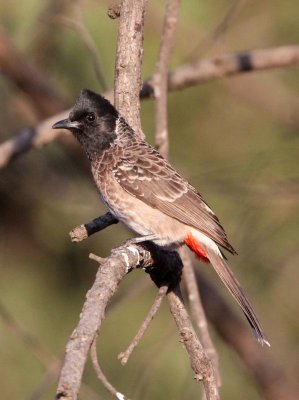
(235, 139)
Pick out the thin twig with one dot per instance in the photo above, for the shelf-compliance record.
(200, 363)
(231, 64)
(124, 356)
(159, 80)
(100, 374)
(198, 313)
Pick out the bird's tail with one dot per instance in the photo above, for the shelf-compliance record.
(214, 255)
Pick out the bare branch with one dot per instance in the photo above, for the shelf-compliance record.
(124, 356)
(128, 83)
(198, 313)
(108, 277)
(100, 374)
(200, 363)
(226, 65)
(232, 64)
(159, 80)
(35, 137)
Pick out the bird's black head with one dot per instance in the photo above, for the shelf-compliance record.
(92, 121)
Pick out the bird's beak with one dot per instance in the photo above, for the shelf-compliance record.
(66, 124)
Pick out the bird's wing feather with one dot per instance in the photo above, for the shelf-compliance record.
(145, 174)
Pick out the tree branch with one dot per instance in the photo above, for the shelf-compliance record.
(159, 80)
(126, 97)
(100, 374)
(108, 277)
(226, 65)
(200, 363)
(198, 312)
(107, 280)
(128, 83)
(124, 356)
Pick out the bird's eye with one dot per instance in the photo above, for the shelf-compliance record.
(90, 117)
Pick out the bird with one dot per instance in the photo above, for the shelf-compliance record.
(141, 189)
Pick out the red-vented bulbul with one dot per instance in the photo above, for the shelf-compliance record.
(141, 189)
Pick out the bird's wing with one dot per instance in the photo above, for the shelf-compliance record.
(145, 174)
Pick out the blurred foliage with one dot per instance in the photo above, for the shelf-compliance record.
(226, 139)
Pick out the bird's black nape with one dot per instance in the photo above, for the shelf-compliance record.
(89, 100)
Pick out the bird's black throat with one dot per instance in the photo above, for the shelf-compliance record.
(98, 138)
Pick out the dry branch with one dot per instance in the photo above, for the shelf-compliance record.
(159, 80)
(198, 313)
(235, 333)
(101, 376)
(126, 97)
(200, 363)
(108, 277)
(232, 64)
(124, 356)
(128, 82)
(115, 267)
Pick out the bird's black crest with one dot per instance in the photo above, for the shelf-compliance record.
(89, 100)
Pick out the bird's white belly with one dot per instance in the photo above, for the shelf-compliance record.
(141, 218)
